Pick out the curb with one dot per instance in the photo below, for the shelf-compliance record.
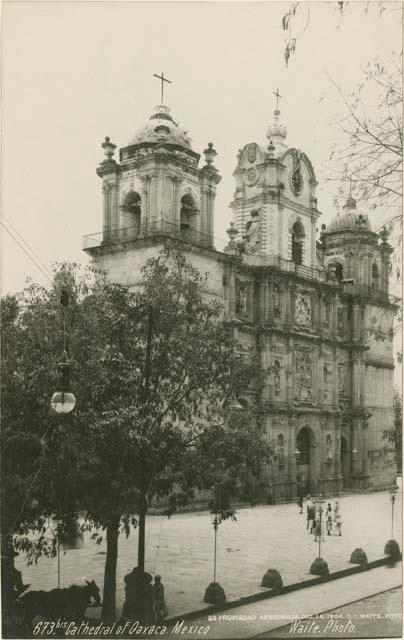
(272, 593)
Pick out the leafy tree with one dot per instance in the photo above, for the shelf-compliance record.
(155, 372)
(370, 151)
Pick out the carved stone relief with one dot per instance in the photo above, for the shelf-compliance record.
(304, 375)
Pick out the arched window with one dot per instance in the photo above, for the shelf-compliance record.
(277, 378)
(375, 277)
(339, 273)
(131, 215)
(298, 235)
(281, 440)
(187, 213)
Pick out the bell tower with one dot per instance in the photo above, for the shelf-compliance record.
(275, 185)
(156, 189)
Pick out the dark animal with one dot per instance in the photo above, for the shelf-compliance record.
(64, 604)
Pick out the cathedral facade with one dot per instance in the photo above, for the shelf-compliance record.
(316, 310)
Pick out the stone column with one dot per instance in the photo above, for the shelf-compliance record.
(365, 446)
(356, 395)
(292, 465)
(289, 361)
(204, 213)
(289, 305)
(153, 202)
(355, 322)
(177, 204)
(264, 308)
(313, 244)
(355, 446)
(144, 222)
(106, 219)
(337, 446)
(210, 230)
(335, 390)
(114, 211)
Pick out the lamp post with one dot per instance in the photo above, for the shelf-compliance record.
(319, 567)
(392, 548)
(214, 593)
(298, 481)
(63, 400)
(393, 491)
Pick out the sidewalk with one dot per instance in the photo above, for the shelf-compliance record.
(259, 618)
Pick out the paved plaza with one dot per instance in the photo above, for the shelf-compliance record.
(180, 549)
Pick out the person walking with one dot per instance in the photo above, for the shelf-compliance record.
(328, 525)
(309, 508)
(300, 503)
(311, 517)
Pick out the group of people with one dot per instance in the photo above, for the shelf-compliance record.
(319, 521)
(144, 601)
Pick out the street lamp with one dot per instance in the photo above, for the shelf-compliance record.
(63, 400)
(319, 567)
(392, 548)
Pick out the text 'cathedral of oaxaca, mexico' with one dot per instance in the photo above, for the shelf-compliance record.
(317, 311)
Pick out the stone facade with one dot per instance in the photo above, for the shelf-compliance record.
(317, 312)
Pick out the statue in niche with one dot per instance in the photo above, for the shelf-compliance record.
(303, 310)
(241, 298)
(304, 375)
(251, 237)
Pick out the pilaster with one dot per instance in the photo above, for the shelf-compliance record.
(106, 214)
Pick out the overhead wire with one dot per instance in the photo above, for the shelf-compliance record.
(41, 262)
(27, 253)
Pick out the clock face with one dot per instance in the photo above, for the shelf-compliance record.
(251, 176)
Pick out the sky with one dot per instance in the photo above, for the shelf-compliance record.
(75, 72)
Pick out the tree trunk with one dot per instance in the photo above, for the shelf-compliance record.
(108, 601)
(141, 544)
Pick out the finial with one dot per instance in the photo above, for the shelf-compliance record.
(232, 248)
(232, 232)
(210, 154)
(109, 147)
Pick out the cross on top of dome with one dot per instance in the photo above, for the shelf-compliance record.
(163, 80)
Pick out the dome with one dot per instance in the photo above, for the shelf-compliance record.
(350, 220)
(161, 128)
